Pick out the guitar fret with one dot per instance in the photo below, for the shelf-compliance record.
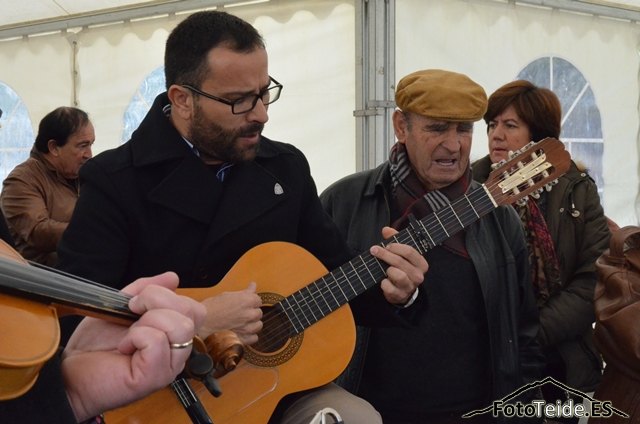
(416, 243)
(456, 215)
(346, 279)
(328, 287)
(441, 224)
(358, 275)
(286, 309)
(316, 303)
(315, 285)
(340, 288)
(369, 270)
(471, 206)
(322, 294)
(463, 217)
(303, 306)
(424, 229)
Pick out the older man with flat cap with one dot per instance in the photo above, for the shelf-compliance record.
(469, 337)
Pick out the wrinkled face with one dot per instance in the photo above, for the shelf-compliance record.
(506, 132)
(438, 150)
(69, 158)
(218, 134)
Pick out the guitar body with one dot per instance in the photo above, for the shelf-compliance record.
(269, 370)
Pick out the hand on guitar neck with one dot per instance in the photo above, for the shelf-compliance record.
(406, 269)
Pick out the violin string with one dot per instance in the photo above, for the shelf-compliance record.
(51, 283)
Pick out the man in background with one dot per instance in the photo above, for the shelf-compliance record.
(39, 195)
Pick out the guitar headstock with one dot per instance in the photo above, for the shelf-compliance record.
(528, 171)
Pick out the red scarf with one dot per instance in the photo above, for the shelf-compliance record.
(545, 267)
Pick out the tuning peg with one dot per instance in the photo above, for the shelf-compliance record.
(511, 154)
(550, 184)
(498, 164)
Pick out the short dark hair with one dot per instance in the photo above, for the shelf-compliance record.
(59, 125)
(538, 107)
(185, 57)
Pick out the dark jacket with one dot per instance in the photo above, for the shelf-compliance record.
(578, 226)
(152, 205)
(359, 204)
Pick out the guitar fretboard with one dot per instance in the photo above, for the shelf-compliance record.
(321, 297)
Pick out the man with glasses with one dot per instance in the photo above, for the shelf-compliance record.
(197, 186)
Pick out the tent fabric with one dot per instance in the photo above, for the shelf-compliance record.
(311, 46)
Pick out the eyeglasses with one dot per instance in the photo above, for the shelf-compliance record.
(247, 103)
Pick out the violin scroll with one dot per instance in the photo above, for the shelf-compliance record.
(226, 349)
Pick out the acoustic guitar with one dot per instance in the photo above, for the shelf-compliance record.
(309, 333)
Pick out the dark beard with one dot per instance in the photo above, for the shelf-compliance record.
(214, 142)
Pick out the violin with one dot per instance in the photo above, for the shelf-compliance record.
(34, 297)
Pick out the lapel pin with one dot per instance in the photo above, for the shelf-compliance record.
(277, 189)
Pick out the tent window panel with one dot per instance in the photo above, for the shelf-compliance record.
(588, 154)
(581, 121)
(141, 102)
(16, 134)
(584, 121)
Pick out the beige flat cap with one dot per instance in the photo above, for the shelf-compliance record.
(440, 94)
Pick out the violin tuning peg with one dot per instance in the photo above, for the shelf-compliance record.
(212, 385)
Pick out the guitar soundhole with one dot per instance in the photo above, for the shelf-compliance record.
(277, 342)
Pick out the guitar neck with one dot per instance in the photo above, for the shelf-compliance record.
(318, 299)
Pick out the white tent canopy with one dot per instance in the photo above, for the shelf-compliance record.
(318, 49)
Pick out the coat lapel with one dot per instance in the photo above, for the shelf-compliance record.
(249, 192)
(190, 189)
